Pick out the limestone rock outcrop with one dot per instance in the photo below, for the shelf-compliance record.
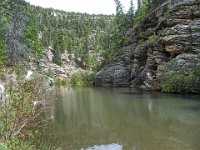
(49, 68)
(117, 73)
(167, 41)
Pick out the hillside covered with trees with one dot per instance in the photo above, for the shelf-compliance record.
(38, 28)
(29, 30)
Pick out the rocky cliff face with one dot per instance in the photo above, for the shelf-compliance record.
(48, 67)
(167, 41)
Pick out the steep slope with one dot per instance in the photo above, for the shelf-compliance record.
(52, 41)
(164, 44)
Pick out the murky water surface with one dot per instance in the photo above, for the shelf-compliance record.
(123, 119)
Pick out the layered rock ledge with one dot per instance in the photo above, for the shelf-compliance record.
(167, 41)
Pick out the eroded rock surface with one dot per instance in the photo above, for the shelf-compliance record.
(167, 41)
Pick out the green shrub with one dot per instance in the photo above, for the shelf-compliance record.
(20, 118)
(153, 38)
(31, 38)
(82, 78)
(196, 71)
(127, 40)
(33, 143)
(61, 82)
(182, 83)
(3, 55)
(3, 146)
(20, 144)
(141, 13)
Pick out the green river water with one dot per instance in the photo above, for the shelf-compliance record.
(123, 119)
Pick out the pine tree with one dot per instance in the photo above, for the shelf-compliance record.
(130, 14)
(139, 3)
(16, 49)
(131, 9)
(119, 7)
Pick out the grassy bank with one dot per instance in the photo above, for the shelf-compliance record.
(82, 78)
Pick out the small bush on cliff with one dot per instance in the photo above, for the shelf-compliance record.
(3, 54)
(153, 38)
(183, 83)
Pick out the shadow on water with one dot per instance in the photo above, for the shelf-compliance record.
(113, 146)
(192, 108)
(132, 92)
(158, 94)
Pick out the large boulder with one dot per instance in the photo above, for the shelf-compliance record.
(118, 72)
(113, 75)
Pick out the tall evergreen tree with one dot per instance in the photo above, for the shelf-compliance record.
(119, 7)
(16, 49)
(139, 4)
(131, 9)
(130, 14)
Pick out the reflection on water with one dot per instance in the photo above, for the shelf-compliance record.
(84, 117)
(105, 147)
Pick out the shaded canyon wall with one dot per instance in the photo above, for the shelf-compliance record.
(167, 41)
